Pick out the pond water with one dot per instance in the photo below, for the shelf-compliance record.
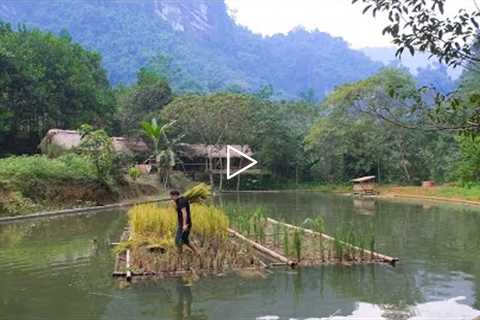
(60, 268)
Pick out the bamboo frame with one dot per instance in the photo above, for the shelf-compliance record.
(263, 249)
(379, 256)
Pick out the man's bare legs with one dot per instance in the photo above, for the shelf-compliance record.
(193, 249)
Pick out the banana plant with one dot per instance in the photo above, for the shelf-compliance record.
(163, 147)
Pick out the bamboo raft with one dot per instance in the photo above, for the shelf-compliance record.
(262, 256)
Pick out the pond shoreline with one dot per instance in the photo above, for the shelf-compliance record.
(80, 210)
(382, 195)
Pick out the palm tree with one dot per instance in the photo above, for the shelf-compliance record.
(164, 158)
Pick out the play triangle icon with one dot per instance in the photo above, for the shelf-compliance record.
(252, 161)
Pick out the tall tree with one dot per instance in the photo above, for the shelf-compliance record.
(142, 101)
(423, 26)
(46, 82)
(350, 142)
(216, 120)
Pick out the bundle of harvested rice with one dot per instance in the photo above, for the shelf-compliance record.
(199, 193)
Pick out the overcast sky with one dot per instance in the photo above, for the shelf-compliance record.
(337, 17)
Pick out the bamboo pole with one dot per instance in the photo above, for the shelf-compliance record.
(377, 255)
(263, 249)
(127, 266)
(180, 273)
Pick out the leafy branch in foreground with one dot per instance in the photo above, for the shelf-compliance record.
(422, 25)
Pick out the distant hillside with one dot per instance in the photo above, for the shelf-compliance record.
(197, 44)
(386, 55)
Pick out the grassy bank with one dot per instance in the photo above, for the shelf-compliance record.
(319, 187)
(34, 183)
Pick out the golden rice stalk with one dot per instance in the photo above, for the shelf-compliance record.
(151, 224)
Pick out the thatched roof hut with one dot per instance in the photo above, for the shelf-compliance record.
(193, 151)
(364, 185)
(58, 141)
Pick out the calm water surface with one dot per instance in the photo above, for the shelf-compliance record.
(52, 269)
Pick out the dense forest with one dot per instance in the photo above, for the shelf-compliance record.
(199, 48)
(350, 117)
(51, 81)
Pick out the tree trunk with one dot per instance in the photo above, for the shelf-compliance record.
(238, 176)
(210, 173)
(220, 187)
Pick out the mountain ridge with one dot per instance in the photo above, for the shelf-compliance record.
(202, 40)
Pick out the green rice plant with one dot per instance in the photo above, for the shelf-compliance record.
(351, 240)
(372, 245)
(297, 243)
(369, 238)
(318, 225)
(339, 244)
(276, 234)
(286, 245)
(259, 220)
(361, 245)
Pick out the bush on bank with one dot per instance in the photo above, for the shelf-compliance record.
(29, 183)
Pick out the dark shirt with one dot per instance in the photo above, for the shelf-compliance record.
(183, 203)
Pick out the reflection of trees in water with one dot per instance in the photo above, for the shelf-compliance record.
(374, 284)
(12, 234)
(60, 254)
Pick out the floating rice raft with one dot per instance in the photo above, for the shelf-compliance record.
(276, 244)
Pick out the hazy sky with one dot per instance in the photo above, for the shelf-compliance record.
(337, 17)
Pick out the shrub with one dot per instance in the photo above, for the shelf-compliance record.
(26, 173)
(134, 173)
(26, 181)
(97, 145)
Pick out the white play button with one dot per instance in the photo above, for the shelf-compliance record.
(251, 164)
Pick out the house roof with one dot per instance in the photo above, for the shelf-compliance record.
(364, 179)
(211, 151)
(69, 139)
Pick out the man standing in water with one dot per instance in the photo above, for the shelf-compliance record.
(184, 222)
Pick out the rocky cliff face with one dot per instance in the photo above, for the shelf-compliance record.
(184, 15)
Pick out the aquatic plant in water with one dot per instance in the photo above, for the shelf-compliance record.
(297, 243)
(317, 224)
(286, 249)
(276, 234)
